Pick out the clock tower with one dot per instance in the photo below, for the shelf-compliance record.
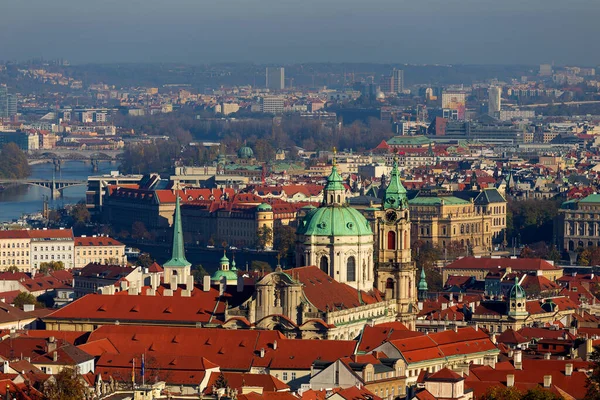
(395, 271)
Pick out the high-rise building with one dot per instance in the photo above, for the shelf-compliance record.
(8, 103)
(398, 77)
(453, 104)
(275, 78)
(494, 101)
(545, 69)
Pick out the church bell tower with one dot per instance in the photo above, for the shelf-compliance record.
(396, 273)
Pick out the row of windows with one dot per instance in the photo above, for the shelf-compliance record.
(18, 245)
(98, 253)
(51, 248)
(58, 257)
(15, 254)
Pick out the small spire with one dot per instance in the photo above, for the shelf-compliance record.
(178, 253)
(334, 161)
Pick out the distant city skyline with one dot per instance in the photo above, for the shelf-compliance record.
(269, 31)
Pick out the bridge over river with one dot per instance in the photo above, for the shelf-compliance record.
(56, 186)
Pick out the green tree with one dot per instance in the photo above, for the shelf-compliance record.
(263, 151)
(139, 231)
(25, 298)
(13, 162)
(13, 269)
(512, 393)
(284, 237)
(80, 213)
(68, 384)
(198, 272)
(46, 267)
(264, 236)
(584, 257)
(554, 255)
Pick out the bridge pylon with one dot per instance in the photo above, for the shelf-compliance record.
(57, 164)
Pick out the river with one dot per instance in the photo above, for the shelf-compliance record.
(26, 199)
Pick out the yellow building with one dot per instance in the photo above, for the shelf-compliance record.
(14, 250)
(99, 250)
(475, 220)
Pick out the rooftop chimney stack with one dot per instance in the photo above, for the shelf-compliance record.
(547, 381)
(510, 380)
(518, 359)
(569, 369)
(206, 283)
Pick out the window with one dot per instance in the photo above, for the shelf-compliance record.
(293, 375)
(351, 269)
(324, 264)
(391, 240)
(285, 376)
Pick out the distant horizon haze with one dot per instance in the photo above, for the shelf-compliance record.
(478, 32)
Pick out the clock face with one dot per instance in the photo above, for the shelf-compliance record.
(391, 216)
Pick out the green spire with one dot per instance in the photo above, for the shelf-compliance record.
(178, 254)
(334, 180)
(395, 193)
(423, 281)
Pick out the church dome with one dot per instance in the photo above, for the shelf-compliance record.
(334, 221)
(245, 152)
(517, 291)
(229, 275)
(264, 207)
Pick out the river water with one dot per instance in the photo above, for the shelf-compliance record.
(26, 199)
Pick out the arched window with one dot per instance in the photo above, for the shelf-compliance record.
(391, 240)
(351, 269)
(324, 264)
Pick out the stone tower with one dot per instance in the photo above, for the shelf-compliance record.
(396, 273)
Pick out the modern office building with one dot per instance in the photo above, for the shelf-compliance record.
(453, 104)
(494, 101)
(272, 105)
(275, 78)
(8, 103)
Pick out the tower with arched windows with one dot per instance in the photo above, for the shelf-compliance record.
(337, 238)
(395, 272)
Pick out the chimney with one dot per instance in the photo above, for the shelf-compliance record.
(262, 352)
(455, 328)
(569, 369)
(5, 367)
(493, 338)
(54, 356)
(547, 381)
(275, 347)
(518, 359)
(547, 356)
(206, 283)
(510, 380)
(51, 344)
(476, 327)
(240, 284)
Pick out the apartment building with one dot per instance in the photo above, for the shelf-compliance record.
(99, 250)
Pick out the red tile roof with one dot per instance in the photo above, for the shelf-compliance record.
(97, 241)
(517, 264)
(444, 375)
(325, 293)
(373, 336)
(236, 380)
(201, 307)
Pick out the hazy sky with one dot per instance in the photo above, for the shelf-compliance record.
(287, 31)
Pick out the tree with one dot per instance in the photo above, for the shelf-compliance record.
(139, 231)
(66, 385)
(80, 213)
(284, 237)
(221, 382)
(13, 269)
(526, 252)
(46, 267)
(25, 298)
(264, 236)
(13, 162)
(554, 255)
(198, 272)
(261, 266)
(512, 393)
(144, 260)
(593, 381)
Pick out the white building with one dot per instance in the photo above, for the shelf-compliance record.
(494, 100)
(272, 105)
(49, 245)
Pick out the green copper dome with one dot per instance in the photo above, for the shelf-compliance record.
(229, 275)
(245, 152)
(264, 207)
(517, 291)
(334, 221)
